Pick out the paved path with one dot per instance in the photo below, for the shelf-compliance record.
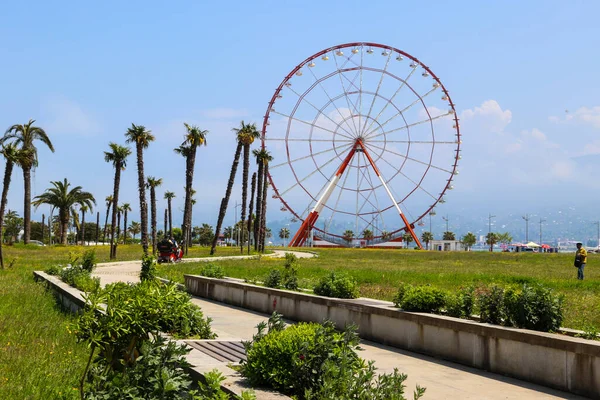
(443, 380)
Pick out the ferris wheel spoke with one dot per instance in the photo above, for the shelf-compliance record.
(344, 119)
(360, 91)
(409, 158)
(315, 107)
(307, 176)
(391, 100)
(417, 185)
(334, 210)
(311, 155)
(310, 124)
(344, 88)
(401, 112)
(378, 87)
(410, 141)
(410, 126)
(370, 178)
(303, 140)
(357, 186)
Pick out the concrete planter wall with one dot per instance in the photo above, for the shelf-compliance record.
(561, 362)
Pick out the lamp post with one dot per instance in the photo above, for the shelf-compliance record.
(597, 223)
(235, 224)
(446, 219)
(431, 213)
(526, 218)
(490, 223)
(541, 221)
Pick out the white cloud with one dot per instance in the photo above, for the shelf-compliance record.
(584, 115)
(489, 117)
(68, 117)
(224, 113)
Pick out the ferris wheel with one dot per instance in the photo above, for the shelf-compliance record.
(366, 143)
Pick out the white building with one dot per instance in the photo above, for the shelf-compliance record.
(446, 245)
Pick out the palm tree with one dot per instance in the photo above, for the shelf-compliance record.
(225, 200)
(491, 239)
(142, 137)
(250, 209)
(119, 212)
(83, 210)
(348, 235)
(263, 213)
(469, 240)
(262, 157)
(449, 236)
(59, 196)
(427, 237)
(25, 135)
(407, 238)
(125, 207)
(118, 157)
(385, 235)
(135, 228)
(194, 138)
(13, 156)
(109, 200)
(170, 196)
(246, 133)
(152, 184)
(284, 233)
(367, 234)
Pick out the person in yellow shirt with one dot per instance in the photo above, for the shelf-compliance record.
(580, 260)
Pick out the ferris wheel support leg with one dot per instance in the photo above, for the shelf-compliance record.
(406, 223)
(304, 232)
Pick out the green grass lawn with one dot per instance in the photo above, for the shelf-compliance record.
(379, 273)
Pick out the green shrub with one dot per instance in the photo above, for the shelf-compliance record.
(337, 285)
(132, 318)
(589, 332)
(290, 272)
(490, 302)
(315, 362)
(533, 307)
(273, 280)
(54, 269)
(148, 271)
(460, 304)
(88, 261)
(211, 270)
(79, 278)
(420, 299)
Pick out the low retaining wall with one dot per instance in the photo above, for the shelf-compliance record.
(557, 361)
(69, 297)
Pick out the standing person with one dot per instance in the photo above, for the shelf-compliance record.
(580, 260)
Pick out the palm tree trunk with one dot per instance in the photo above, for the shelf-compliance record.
(7, 175)
(258, 203)
(106, 220)
(250, 209)
(143, 205)
(63, 216)
(153, 217)
(43, 226)
(170, 218)
(124, 226)
(166, 226)
(225, 201)
(263, 213)
(50, 226)
(118, 225)
(82, 228)
(113, 242)
(245, 190)
(97, 226)
(27, 204)
(190, 162)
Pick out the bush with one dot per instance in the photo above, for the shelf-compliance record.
(420, 299)
(54, 269)
(460, 305)
(314, 361)
(491, 304)
(533, 307)
(273, 280)
(148, 271)
(211, 270)
(79, 278)
(337, 285)
(88, 261)
(125, 334)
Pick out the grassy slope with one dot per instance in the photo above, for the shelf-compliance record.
(380, 271)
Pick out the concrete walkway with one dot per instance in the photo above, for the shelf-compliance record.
(443, 380)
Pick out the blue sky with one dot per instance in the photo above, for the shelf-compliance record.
(523, 76)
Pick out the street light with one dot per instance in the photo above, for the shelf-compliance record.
(490, 223)
(597, 223)
(235, 223)
(526, 218)
(446, 219)
(541, 221)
